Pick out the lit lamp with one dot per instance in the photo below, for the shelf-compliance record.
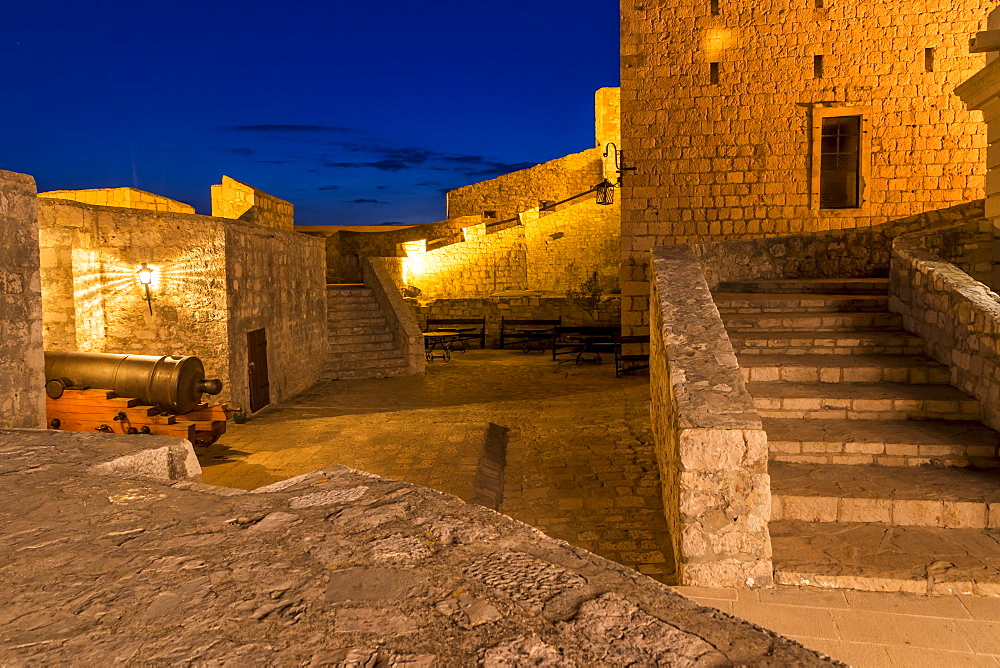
(146, 278)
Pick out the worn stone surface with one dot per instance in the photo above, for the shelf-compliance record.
(239, 201)
(711, 449)
(104, 569)
(22, 379)
(579, 457)
(128, 198)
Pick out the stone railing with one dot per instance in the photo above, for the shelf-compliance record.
(957, 316)
(711, 448)
(405, 331)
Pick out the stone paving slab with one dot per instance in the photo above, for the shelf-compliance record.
(872, 629)
(875, 557)
(335, 567)
(580, 459)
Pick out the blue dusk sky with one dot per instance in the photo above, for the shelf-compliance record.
(357, 112)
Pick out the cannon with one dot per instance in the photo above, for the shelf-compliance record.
(132, 394)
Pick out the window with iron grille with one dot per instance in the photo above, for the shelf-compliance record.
(840, 162)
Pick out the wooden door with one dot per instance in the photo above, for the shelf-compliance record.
(260, 392)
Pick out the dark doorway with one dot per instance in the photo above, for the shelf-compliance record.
(260, 392)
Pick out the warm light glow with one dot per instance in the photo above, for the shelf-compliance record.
(145, 274)
(716, 41)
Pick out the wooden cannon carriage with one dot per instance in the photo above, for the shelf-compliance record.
(132, 394)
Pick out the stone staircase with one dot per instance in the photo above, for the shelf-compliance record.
(360, 342)
(882, 478)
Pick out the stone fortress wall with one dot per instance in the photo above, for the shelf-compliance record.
(130, 198)
(239, 201)
(215, 280)
(22, 378)
(706, 170)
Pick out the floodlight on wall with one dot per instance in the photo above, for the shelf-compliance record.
(145, 274)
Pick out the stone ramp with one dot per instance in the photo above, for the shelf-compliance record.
(334, 567)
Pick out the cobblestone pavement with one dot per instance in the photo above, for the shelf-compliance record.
(580, 461)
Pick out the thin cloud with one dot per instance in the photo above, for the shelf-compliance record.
(365, 201)
(286, 127)
(328, 188)
(242, 151)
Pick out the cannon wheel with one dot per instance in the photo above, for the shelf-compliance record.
(203, 439)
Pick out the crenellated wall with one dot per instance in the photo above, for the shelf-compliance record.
(239, 201)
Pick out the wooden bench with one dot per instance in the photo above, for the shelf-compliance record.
(581, 341)
(632, 361)
(527, 332)
(468, 329)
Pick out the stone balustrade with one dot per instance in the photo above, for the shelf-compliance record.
(402, 324)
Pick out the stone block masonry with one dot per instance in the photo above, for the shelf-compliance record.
(128, 198)
(732, 157)
(22, 367)
(239, 201)
(711, 448)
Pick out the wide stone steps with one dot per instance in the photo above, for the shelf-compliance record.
(844, 369)
(880, 557)
(844, 342)
(358, 339)
(363, 355)
(884, 443)
(877, 286)
(359, 308)
(957, 498)
(811, 322)
(367, 318)
(737, 302)
(862, 401)
(335, 330)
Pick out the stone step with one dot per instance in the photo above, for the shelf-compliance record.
(876, 557)
(354, 339)
(338, 347)
(858, 286)
(335, 332)
(917, 369)
(884, 443)
(350, 364)
(358, 307)
(812, 322)
(363, 355)
(347, 289)
(334, 301)
(862, 401)
(858, 342)
(363, 374)
(744, 302)
(951, 498)
(348, 319)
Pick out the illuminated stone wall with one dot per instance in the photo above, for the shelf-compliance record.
(275, 280)
(510, 194)
(22, 378)
(215, 280)
(550, 251)
(239, 201)
(733, 159)
(129, 198)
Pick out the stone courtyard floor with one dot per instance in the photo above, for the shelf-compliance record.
(580, 467)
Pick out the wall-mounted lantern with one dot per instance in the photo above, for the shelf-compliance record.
(145, 274)
(605, 192)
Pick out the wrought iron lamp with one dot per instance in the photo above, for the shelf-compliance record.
(606, 189)
(145, 274)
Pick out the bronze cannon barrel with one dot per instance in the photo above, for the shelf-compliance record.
(171, 382)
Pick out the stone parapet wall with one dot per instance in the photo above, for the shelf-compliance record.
(523, 306)
(128, 198)
(711, 448)
(239, 201)
(274, 279)
(957, 316)
(510, 194)
(22, 366)
(400, 320)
